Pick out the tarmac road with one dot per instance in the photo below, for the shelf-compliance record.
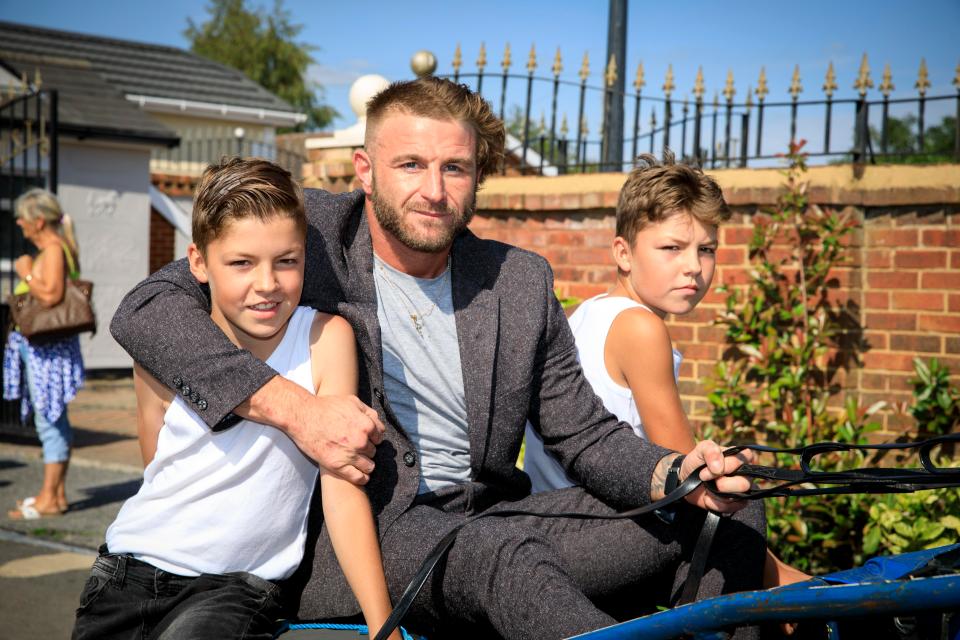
(45, 563)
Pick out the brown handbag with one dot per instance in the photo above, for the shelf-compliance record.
(72, 315)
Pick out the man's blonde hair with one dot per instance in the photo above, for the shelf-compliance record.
(655, 190)
(441, 99)
(237, 188)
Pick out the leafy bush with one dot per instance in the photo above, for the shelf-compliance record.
(788, 335)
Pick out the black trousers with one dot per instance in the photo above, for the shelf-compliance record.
(547, 578)
(125, 598)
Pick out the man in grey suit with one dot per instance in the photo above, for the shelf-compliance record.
(461, 341)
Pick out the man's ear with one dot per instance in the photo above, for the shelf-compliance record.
(198, 266)
(621, 254)
(363, 166)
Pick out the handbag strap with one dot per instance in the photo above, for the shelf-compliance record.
(72, 270)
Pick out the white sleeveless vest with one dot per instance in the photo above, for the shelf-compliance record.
(236, 500)
(590, 324)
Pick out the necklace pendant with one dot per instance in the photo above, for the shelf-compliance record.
(417, 324)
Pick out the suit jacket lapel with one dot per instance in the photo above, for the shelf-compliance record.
(477, 312)
(361, 297)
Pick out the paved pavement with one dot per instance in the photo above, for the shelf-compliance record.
(44, 563)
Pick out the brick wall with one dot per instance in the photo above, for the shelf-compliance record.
(162, 240)
(903, 277)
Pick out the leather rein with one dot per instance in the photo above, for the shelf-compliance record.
(805, 481)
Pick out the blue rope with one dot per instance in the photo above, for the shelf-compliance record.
(359, 628)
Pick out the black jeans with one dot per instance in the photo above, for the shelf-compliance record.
(125, 598)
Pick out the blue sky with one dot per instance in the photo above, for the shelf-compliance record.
(367, 36)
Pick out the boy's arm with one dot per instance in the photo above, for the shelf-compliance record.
(638, 354)
(346, 509)
(152, 402)
(164, 324)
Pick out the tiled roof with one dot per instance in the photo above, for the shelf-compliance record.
(94, 74)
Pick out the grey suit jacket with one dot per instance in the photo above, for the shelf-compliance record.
(518, 357)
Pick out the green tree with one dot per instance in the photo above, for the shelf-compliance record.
(263, 46)
(903, 138)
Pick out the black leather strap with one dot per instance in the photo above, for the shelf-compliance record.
(698, 563)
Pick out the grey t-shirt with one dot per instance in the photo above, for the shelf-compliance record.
(422, 377)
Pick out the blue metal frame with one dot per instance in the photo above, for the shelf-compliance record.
(870, 590)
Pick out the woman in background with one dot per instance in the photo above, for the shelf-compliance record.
(52, 371)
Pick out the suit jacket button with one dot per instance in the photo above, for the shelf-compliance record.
(409, 458)
(202, 404)
(194, 397)
(178, 382)
(185, 390)
(378, 394)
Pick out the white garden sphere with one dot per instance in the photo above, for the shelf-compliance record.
(364, 88)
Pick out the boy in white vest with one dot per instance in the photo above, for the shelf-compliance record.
(221, 517)
(665, 249)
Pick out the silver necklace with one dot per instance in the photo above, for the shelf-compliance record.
(416, 316)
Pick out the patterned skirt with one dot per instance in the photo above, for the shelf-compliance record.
(56, 369)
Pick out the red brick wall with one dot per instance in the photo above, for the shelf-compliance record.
(904, 271)
(162, 240)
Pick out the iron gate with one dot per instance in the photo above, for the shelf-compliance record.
(28, 158)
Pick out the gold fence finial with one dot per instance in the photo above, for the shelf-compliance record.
(864, 81)
(37, 80)
(830, 82)
(506, 58)
(564, 130)
(457, 59)
(584, 127)
(611, 74)
(668, 84)
(482, 58)
(795, 87)
(585, 67)
(923, 80)
(762, 88)
(639, 81)
(749, 102)
(532, 60)
(716, 100)
(886, 85)
(24, 85)
(698, 87)
(557, 64)
(728, 89)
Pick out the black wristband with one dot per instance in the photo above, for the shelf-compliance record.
(673, 475)
(670, 483)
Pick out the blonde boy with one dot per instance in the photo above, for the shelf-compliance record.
(221, 516)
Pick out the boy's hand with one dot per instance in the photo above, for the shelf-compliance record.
(338, 432)
(718, 468)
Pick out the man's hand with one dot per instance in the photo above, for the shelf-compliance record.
(338, 432)
(718, 468)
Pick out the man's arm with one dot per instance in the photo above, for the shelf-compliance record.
(598, 451)
(164, 324)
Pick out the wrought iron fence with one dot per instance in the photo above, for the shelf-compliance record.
(717, 133)
(201, 147)
(28, 158)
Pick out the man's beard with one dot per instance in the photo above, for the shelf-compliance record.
(392, 221)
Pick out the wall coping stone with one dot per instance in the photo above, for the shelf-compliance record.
(875, 186)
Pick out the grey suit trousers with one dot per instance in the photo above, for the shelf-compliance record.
(547, 578)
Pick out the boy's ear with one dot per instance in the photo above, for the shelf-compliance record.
(622, 254)
(363, 166)
(198, 266)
